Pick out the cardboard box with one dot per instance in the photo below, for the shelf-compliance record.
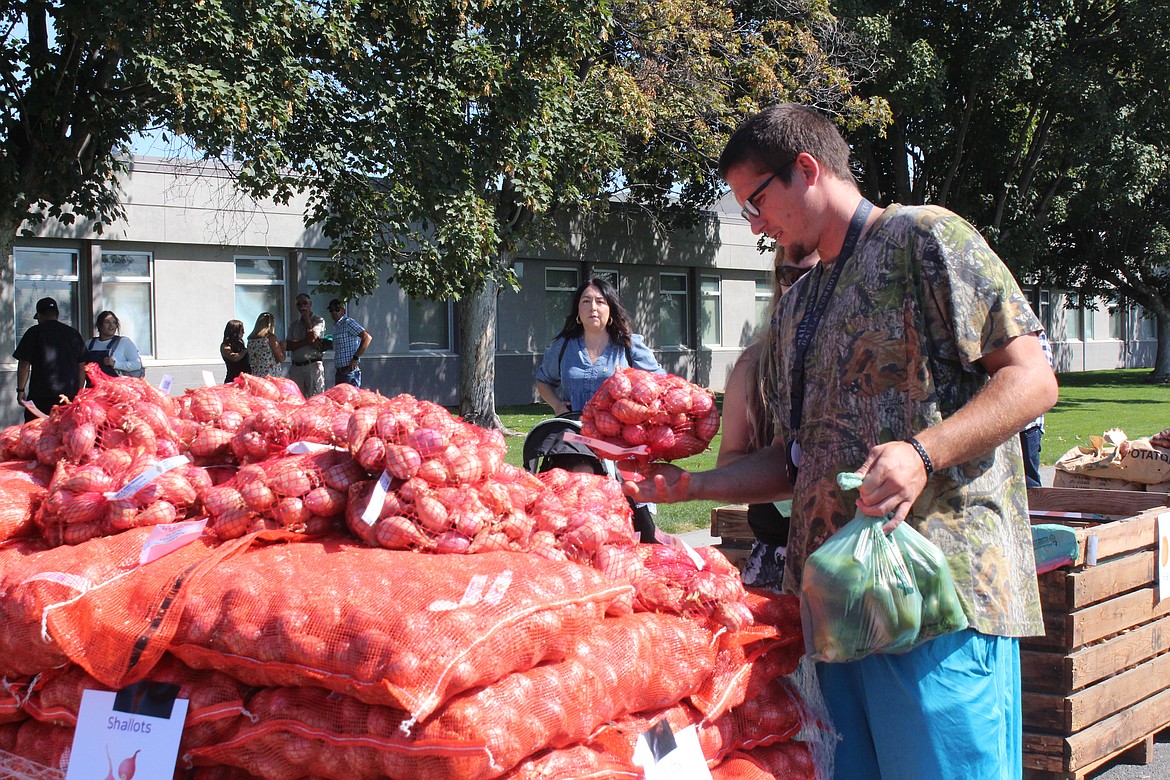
(1063, 479)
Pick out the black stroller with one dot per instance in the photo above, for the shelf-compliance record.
(545, 448)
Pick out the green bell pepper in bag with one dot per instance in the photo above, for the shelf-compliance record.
(865, 591)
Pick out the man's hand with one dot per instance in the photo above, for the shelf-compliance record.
(894, 476)
(663, 484)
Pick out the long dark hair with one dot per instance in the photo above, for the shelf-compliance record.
(618, 326)
(233, 332)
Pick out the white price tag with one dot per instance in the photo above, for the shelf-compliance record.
(165, 385)
(148, 476)
(170, 537)
(309, 447)
(668, 756)
(208, 379)
(377, 499)
(134, 732)
(33, 408)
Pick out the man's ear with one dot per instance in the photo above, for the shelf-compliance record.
(807, 167)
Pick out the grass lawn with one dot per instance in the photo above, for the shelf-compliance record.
(1090, 403)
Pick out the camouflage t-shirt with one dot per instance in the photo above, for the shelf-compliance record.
(919, 303)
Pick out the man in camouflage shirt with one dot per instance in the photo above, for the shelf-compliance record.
(922, 366)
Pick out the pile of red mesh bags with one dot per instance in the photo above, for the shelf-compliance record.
(318, 626)
(670, 416)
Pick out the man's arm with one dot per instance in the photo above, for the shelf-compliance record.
(758, 477)
(23, 367)
(366, 338)
(1021, 387)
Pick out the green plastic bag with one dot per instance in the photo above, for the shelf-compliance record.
(866, 592)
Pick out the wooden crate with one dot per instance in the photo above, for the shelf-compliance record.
(730, 524)
(1097, 684)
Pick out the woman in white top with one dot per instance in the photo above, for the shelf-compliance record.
(265, 354)
(116, 354)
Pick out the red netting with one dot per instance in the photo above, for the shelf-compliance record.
(12, 695)
(23, 485)
(581, 762)
(388, 627)
(622, 664)
(44, 749)
(99, 608)
(668, 414)
(215, 700)
(301, 494)
(787, 761)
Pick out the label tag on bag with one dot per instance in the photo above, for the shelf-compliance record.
(133, 733)
(664, 755)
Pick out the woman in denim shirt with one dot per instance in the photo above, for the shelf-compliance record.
(594, 343)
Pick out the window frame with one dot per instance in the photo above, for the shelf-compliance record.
(148, 280)
(282, 283)
(450, 311)
(30, 281)
(716, 297)
(684, 308)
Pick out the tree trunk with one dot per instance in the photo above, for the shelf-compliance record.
(477, 358)
(1162, 356)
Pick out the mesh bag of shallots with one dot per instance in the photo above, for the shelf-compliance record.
(385, 626)
(301, 494)
(670, 416)
(619, 666)
(23, 485)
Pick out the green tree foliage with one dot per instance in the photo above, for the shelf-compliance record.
(1043, 122)
(458, 131)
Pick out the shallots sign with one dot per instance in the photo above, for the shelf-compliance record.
(127, 736)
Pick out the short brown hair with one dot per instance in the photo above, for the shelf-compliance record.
(772, 139)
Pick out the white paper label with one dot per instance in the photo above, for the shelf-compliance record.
(33, 408)
(604, 448)
(208, 379)
(148, 476)
(1163, 555)
(666, 756)
(165, 385)
(164, 539)
(142, 742)
(309, 447)
(377, 499)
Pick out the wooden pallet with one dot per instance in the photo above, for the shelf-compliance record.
(1097, 684)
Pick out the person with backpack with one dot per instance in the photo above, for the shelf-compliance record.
(595, 342)
(116, 355)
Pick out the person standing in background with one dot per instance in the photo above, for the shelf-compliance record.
(53, 355)
(264, 351)
(234, 351)
(116, 355)
(350, 342)
(749, 423)
(304, 348)
(1034, 431)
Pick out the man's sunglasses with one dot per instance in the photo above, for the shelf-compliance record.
(749, 209)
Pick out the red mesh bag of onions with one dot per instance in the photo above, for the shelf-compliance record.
(670, 416)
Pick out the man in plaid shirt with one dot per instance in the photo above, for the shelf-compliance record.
(350, 342)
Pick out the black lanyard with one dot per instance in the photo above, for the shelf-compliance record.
(812, 320)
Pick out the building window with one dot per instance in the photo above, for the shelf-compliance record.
(41, 273)
(710, 312)
(1072, 318)
(763, 305)
(127, 286)
(315, 275)
(260, 288)
(611, 276)
(1088, 322)
(1117, 322)
(673, 322)
(429, 325)
(1147, 327)
(1044, 312)
(559, 286)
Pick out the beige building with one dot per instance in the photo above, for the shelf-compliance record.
(193, 253)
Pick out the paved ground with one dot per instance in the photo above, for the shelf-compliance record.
(1115, 770)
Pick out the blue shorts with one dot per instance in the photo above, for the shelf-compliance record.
(947, 710)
